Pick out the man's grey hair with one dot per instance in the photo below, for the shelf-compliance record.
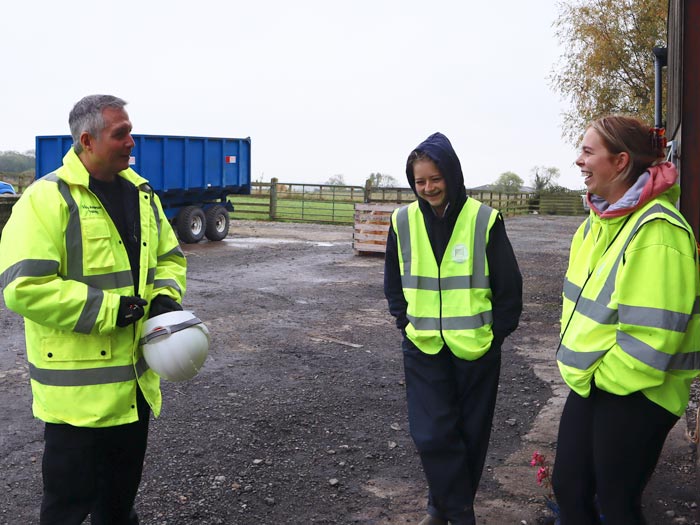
(86, 116)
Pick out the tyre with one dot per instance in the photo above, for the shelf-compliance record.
(190, 224)
(217, 223)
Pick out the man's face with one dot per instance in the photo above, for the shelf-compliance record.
(430, 184)
(111, 149)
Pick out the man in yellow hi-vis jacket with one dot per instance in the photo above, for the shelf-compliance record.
(86, 254)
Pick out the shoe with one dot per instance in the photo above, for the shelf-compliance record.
(432, 520)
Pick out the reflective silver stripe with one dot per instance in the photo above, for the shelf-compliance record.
(471, 322)
(109, 281)
(74, 263)
(598, 312)
(167, 330)
(479, 248)
(151, 276)
(155, 210)
(687, 361)
(420, 282)
(84, 377)
(141, 367)
(74, 241)
(571, 291)
(656, 359)
(404, 235)
(653, 317)
(458, 282)
(579, 360)
(167, 283)
(91, 310)
(177, 251)
(29, 268)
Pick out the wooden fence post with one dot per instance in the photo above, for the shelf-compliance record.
(368, 191)
(273, 198)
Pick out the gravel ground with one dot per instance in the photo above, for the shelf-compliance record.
(299, 413)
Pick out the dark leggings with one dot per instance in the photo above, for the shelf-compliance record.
(608, 447)
(93, 471)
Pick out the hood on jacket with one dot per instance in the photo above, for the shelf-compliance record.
(655, 181)
(438, 147)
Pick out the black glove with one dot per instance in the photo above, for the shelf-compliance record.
(162, 304)
(130, 310)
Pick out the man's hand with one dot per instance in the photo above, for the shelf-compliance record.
(162, 304)
(130, 310)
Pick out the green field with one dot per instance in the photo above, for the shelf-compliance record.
(293, 209)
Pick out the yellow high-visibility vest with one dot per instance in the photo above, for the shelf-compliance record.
(63, 267)
(449, 304)
(630, 316)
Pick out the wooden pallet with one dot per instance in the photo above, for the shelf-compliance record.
(372, 221)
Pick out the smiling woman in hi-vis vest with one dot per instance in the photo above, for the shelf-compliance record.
(629, 325)
(454, 286)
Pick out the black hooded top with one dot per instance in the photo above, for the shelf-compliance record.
(504, 274)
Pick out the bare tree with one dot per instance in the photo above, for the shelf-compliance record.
(543, 177)
(382, 180)
(336, 180)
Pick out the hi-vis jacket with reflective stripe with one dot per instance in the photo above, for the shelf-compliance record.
(63, 268)
(630, 306)
(450, 304)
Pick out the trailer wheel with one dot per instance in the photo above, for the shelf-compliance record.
(217, 223)
(190, 224)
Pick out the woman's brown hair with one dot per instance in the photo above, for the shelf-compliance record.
(630, 135)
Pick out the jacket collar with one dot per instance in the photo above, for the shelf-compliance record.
(76, 174)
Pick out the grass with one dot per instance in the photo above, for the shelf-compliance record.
(293, 209)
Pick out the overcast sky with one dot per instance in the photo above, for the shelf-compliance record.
(322, 87)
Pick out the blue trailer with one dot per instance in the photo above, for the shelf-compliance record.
(193, 176)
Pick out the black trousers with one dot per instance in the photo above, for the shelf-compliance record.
(93, 471)
(608, 447)
(450, 409)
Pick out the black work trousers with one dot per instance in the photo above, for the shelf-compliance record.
(608, 447)
(93, 471)
(451, 403)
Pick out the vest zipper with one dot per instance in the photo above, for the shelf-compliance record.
(590, 272)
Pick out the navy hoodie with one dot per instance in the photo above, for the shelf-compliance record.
(505, 278)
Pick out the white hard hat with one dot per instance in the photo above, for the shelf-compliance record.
(175, 344)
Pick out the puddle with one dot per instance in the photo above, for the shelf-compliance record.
(251, 242)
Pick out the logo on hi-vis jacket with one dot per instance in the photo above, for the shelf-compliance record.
(90, 209)
(459, 253)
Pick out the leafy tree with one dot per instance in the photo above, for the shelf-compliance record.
(382, 180)
(608, 64)
(508, 182)
(543, 177)
(14, 162)
(336, 180)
